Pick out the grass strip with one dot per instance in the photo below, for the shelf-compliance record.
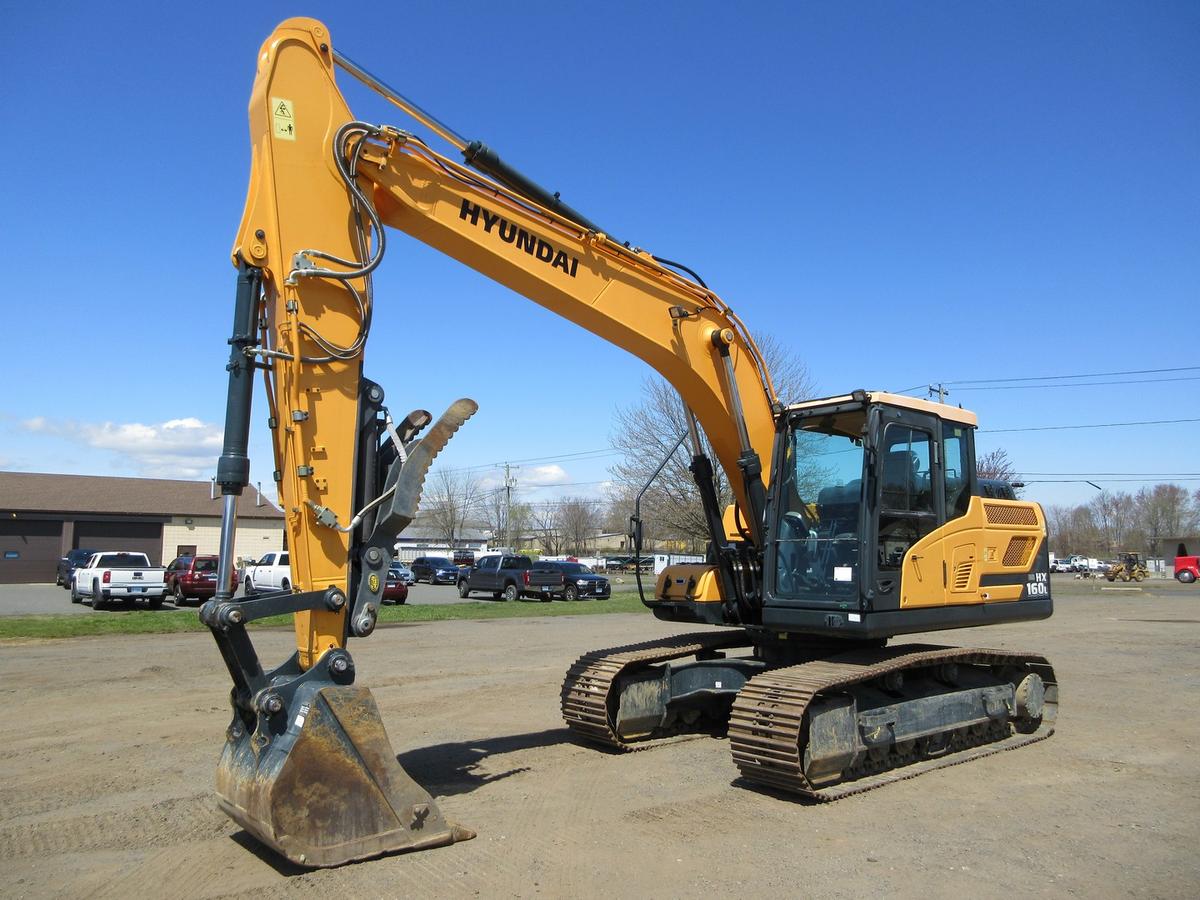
(169, 621)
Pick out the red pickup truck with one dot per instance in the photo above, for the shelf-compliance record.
(1187, 568)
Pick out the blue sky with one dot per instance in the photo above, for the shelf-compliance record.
(901, 193)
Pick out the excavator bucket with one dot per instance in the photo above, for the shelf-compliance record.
(327, 789)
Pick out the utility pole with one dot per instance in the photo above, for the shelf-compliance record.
(509, 483)
(940, 390)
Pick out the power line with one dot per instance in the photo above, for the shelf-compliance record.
(1107, 480)
(1117, 474)
(1018, 387)
(577, 455)
(537, 487)
(966, 383)
(1068, 377)
(1070, 427)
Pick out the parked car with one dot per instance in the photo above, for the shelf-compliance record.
(1061, 565)
(505, 575)
(434, 569)
(193, 577)
(117, 574)
(575, 580)
(406, 574)
(271, 573)
(395, 589)
(68, 564)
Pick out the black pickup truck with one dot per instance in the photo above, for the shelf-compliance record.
(568, 580)
(507, 576)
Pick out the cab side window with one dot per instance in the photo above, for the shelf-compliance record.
(957, 469)
(906, 503)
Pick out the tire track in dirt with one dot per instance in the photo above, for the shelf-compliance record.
(204, 871)
(176, 821)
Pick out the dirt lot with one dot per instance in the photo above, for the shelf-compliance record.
(108, 747)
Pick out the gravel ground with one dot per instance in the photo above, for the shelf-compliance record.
(108, 748)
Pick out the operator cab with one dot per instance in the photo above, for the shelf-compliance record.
(877, 527)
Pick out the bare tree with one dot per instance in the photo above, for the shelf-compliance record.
(646, 431)
(451, 499)
(1114, 522)
(520, 524)
(495, 508)
(1162, 512)
(995, 464)
(1085, 531)
(544, 523)
(1114, 515)
(1073, 529)
(1058, 522)
(578, 518)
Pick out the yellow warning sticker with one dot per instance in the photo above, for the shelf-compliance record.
(283, 115)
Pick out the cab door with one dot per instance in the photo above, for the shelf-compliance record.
(910, 506)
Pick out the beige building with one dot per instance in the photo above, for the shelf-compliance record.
(42, 516)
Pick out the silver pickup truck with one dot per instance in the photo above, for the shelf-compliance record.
(118, 575)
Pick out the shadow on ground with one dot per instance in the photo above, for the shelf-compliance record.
(280, 864)
(447, 769)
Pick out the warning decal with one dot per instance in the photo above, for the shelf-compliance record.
(284, 118)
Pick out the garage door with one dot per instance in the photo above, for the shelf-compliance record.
(144, 537)
(29, 551)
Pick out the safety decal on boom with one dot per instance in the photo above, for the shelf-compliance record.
(284, 118)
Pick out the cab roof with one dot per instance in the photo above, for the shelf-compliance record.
(941, 410)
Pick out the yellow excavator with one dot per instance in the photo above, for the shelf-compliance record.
(856, 518)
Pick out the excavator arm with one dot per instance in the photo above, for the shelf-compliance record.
(324, 188)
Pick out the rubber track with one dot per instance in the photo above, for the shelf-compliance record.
(767, 719)
(591, 681)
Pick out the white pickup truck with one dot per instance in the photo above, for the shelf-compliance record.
(117, 574)
(271, 573)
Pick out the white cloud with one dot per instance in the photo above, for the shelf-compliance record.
(178, 448)
(541, 476)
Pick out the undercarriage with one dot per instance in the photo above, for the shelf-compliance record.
(816, 718)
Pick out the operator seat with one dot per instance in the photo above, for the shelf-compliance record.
(899, 479)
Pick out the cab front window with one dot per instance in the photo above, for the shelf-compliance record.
(817, 534)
